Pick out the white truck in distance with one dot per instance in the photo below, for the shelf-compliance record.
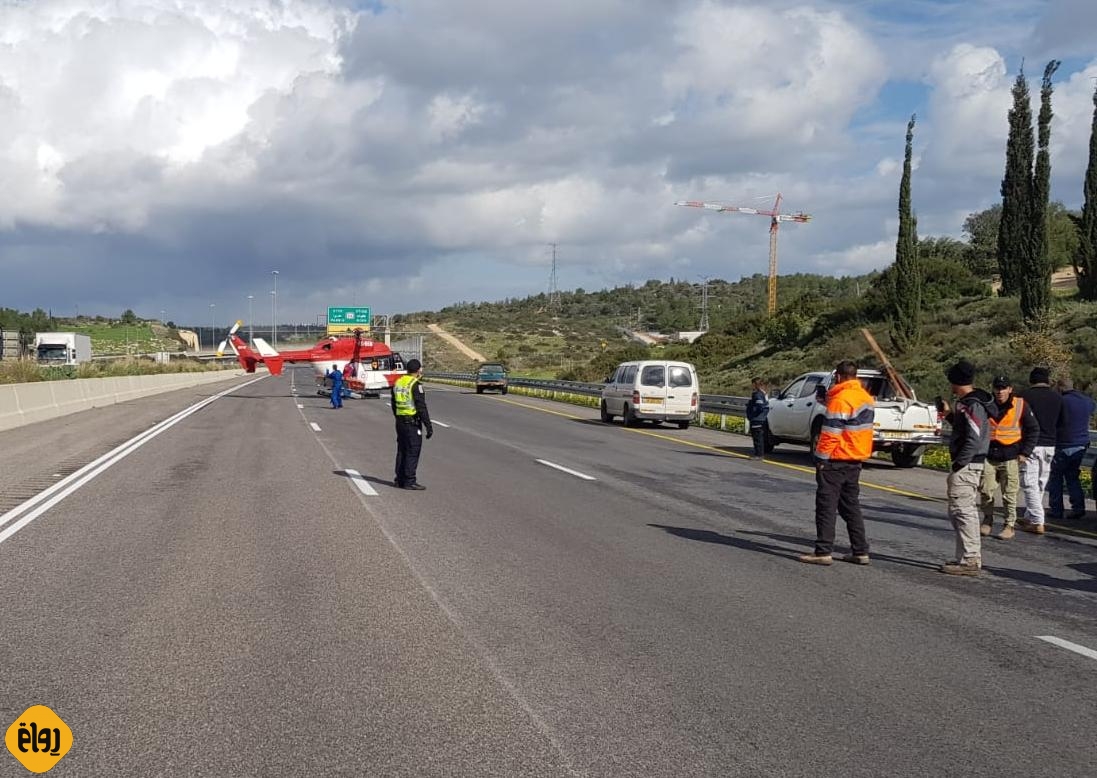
(62, 348)
(901, 427)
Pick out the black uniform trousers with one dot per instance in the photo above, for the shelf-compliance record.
(838, 491)
(409, 442)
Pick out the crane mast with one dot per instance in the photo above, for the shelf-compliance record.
(775, 219)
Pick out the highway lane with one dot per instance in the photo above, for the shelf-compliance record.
(668, 586)
(227, 597)
(219, 603)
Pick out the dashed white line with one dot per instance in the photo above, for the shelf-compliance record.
(439, 423)
(567, 470)
(299, 405)
(361, 483)
(315, 426)
(1077, 649)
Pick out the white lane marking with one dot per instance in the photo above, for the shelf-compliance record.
(439, 423)
(363, 485)
(315, 426)
(1077, 649)
(50, 497)
(568, 470)
(299, 405)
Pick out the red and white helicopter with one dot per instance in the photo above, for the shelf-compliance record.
(367, 366)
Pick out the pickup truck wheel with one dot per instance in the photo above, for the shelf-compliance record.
(604, 413)
(479, 390)
(683, 425)
(503, 390)
(816, 433)
(906, 456)
(630, 418)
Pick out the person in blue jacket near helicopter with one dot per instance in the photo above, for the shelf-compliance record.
(336, 377)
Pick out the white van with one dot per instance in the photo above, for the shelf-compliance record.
(653, 390)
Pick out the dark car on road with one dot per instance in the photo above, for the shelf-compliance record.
(491, 376)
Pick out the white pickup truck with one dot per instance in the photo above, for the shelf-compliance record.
(901, 427)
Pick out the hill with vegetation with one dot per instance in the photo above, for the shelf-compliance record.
(817, 324)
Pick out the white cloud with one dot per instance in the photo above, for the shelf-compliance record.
(398, 150)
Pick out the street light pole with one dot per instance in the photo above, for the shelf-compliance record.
(251, 331)
(212, 327)
(274, 311)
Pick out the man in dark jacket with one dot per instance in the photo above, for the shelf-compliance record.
(409, 406)
(1071, 443)
(757, 412)
(1013, 434)
(968, 447)
(1046, 403)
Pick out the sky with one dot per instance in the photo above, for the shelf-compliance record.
(167, 156)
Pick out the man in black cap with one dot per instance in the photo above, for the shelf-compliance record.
(409, 406)
(968, 447)
(1013, 434)
(1046, 404)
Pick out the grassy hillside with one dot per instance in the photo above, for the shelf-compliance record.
(817, 325)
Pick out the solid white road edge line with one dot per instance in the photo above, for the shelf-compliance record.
(363, 485)
(568, 470)
(67, 486)
(315, 426)
(1077, 649)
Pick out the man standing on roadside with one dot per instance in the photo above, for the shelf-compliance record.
(845, 442)
(968, 447)
(757, 411)
(1013, 434)
(409, 406)
(1047, 404)
(1071, 444)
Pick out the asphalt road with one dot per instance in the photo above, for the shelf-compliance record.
(225, 599)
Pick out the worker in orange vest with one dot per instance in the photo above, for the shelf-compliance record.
(1014, 431)
(845, 442)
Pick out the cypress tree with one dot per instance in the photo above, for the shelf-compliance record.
(1036, 287)
(1015, 225)
(907, 285)
(1085, 258)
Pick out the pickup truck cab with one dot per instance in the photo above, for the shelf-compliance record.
(901, 427)
(491, 376)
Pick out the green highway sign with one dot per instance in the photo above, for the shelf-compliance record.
(348, 317)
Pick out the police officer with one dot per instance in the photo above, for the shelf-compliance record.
(409, 406)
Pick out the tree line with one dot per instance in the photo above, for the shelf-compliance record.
(1023, 240)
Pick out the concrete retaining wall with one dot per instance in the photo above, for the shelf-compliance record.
(27, 403)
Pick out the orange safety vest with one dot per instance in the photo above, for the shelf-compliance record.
(1007, 430)
(847, 427)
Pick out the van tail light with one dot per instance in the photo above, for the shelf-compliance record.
(635, 398)
(693, 400)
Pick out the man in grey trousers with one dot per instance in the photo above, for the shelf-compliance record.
(968, 447)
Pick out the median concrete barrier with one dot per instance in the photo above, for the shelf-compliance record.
(29, 403)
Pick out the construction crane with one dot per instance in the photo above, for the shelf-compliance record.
(776, 217)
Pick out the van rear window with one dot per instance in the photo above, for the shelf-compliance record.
(679, 376)
(653, 375)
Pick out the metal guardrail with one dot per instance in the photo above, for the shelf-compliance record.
(725, 405)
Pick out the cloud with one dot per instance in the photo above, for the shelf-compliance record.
(160, 153)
